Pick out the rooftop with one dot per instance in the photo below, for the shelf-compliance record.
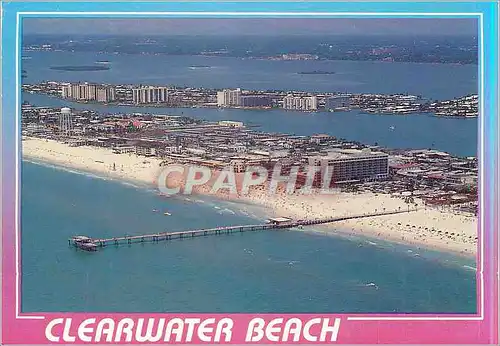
(351, 153)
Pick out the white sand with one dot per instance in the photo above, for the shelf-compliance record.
(426, 227)
(92, 159)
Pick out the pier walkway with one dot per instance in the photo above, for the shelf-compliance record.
(156, 237)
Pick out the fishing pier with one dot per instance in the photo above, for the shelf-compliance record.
(92, 244)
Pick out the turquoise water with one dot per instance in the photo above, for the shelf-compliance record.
(278, 271)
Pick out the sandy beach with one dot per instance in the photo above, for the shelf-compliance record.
(426, 227)
(430, 228)
(131, 167)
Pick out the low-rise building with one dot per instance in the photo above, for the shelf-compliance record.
(338, 102)
(124, 149)
(145, 150)
(230, 123)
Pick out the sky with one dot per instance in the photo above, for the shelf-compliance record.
(251, 26)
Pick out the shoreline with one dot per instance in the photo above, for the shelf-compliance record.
(451, 233)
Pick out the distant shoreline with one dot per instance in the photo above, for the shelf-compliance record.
(28, 49)
(316, 72)
(82, 68)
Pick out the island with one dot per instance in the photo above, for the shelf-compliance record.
(316, 72)
(176, 97)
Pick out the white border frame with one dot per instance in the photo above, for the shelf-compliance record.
(280, 14)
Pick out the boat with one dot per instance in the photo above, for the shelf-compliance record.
(391, 127)
(155, 210)
(195, 67)
(167, 213)
(316, 72)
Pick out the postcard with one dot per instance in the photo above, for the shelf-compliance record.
(249, 173)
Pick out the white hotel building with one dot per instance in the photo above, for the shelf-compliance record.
(350, 165)
(89, 92)
(300, 103)
(227, 98)
(150, 94)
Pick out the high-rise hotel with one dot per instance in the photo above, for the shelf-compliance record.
(349, 165)
(89, 92)
(227, 98)
(150, 94)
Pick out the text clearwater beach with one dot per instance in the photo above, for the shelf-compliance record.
(192, 330)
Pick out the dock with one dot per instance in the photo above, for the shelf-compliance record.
(87, 243)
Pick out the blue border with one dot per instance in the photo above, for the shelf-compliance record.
(449, 7)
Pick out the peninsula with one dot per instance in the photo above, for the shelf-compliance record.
(173, 96)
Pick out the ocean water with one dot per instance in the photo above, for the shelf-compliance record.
(274, 271)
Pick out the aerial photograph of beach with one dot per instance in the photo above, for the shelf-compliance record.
(286, 165)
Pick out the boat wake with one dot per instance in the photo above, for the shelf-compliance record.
(470, 268)
(372, 284)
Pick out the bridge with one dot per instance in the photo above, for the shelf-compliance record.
(92, 244)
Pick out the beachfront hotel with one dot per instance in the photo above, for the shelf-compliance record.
(150, 94)
(299, 103)
(349, 165)
(89, 92)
